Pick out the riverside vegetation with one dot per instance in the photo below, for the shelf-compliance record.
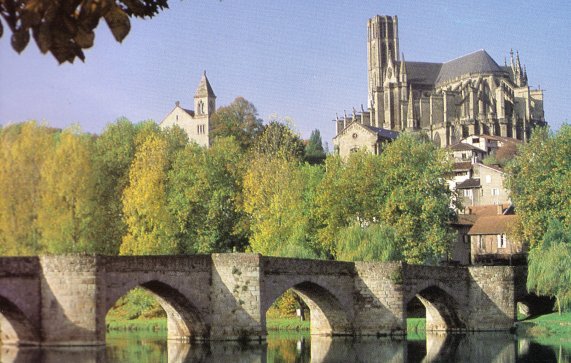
(139, 190)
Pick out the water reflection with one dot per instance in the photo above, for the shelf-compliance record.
(481, 347)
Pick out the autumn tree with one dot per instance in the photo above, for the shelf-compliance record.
(23, 151)
(205, 197)
(150, 226)
(68, 201)
(538, 179)
(239, 120)
(277, 196)
(65, 28)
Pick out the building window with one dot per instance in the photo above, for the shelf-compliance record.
(200, 130)
(495, 192)
(502, 240)
(475, 140)
(481, 242)
(488, 179)
(468, 192)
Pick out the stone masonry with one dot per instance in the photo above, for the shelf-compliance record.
(63, 300)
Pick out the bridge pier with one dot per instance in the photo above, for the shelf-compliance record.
(235, 294)
(72, 300)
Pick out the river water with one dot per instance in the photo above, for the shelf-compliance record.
(130, 348)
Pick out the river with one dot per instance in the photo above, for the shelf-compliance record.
(132, 348)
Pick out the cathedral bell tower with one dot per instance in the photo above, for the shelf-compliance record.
(383, 43)
(382, 52)
(204, 98)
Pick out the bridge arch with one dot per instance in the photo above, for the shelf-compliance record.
(15, 327)
(184, 321)
(328, 315)
(442, 309)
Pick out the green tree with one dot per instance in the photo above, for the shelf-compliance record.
(417, 197)
(23, 151)
(375, 242)
(549, 265)
(205, 197)
(68, 200)
(114, 152)
(404, 189)
(538, 179)
(150, 226)
(239, 120)
(314, 152)
(279, 141)
(350, 192)
(65, 29)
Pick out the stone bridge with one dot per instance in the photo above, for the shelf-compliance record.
(63, 300)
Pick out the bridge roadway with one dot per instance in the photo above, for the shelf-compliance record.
(63, 300)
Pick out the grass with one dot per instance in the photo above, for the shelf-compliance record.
(287, 324)
(157, 325)
(553, 327)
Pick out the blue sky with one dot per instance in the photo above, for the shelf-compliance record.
(305, 60)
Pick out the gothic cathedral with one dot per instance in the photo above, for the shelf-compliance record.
(469, 95)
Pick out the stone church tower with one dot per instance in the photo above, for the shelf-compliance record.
(196, 123)
(469, 95)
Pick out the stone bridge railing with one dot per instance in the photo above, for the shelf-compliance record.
(63, 300)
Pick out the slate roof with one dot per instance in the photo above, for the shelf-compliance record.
(422, 72)
(477, 62)
(387, 134)
(468, 184)
(425, 73)
(190, 112)
(492, 224)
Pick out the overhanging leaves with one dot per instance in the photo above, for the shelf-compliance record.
(66, 27)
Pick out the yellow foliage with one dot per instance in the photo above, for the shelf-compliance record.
(23, 150)
(150, 226)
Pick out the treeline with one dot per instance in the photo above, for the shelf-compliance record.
(137, 189)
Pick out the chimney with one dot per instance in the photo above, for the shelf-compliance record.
(500, 209)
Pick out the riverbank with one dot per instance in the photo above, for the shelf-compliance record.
(549, 329)
(159, 325)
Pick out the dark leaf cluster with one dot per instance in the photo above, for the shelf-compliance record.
(65, 27)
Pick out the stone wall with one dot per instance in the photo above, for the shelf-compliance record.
(19, 300)
(379, 306)
(491, 301)
(235, 297)
(63, 300)
(72, 309)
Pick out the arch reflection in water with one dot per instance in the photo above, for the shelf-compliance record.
(477, 347)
